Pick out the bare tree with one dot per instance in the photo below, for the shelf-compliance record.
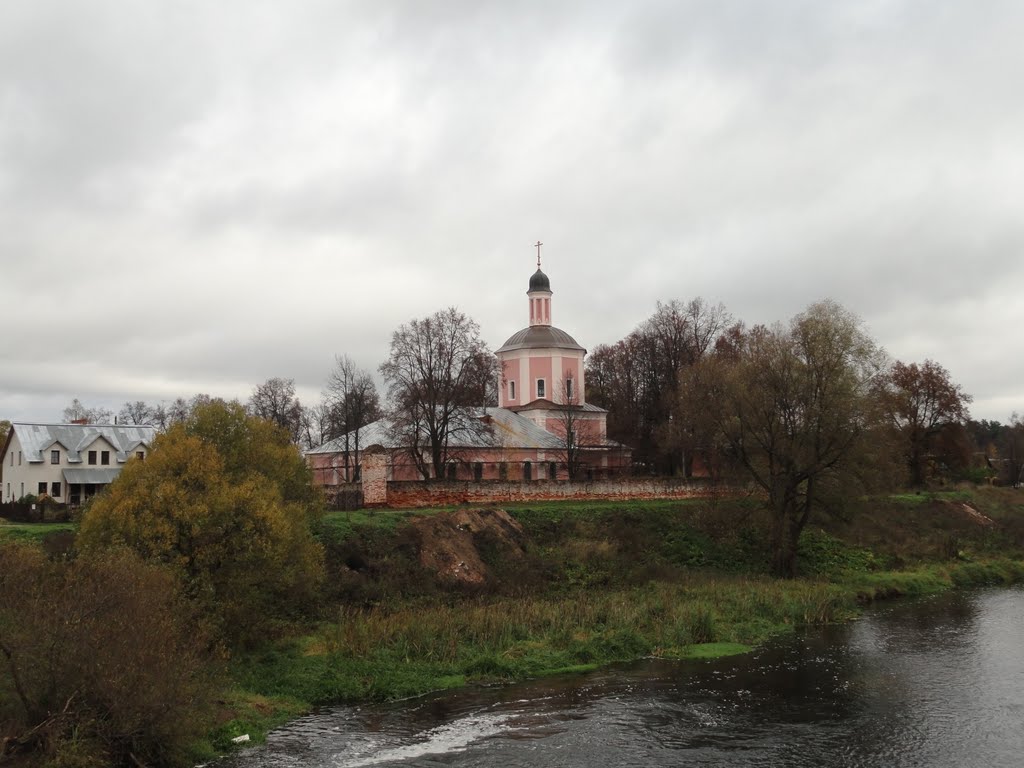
(436, 366)
(351, 402)
(637, 378)
(1012, 448)
(178, 411)
(78, 412)
(570, 428)
(137, 412)
(275, 401)
(316, 425)
(160, 418)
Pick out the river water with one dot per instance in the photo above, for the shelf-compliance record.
(935, 682)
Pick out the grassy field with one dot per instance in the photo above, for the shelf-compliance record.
(32, 531)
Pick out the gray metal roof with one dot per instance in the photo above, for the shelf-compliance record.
(505, 430)
(543, 404)
(76, 438)
(91, 476)
(540, 337)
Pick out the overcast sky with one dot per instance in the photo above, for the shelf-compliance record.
(198, 196)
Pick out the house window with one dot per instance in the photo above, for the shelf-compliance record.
(42, 488)
(92, 457)
(451, 471)
(55, 457)
(511, 390)
(140, 455)
(105, 457)
(527, 471)
(55, 489)
(23, 490)
(19, 458)
(568, 390)
(478, 471)
(552, 471)
(540, 387)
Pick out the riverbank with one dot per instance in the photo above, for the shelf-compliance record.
(928, 681)
(594, 584)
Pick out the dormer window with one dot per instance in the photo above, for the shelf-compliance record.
(104, 457)
(92, 457)
(55, 457)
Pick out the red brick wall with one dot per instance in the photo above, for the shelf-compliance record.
(404, 494)
(375, 482)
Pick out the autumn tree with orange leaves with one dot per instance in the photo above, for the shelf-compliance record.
(921, 403)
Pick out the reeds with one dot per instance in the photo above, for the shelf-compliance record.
(590, 626)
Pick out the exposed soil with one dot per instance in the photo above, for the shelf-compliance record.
(449, 542)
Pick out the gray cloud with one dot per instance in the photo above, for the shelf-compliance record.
(196, 197)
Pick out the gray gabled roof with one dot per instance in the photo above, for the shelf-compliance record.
(76, 438)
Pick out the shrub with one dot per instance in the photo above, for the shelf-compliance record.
(104, 664)
(230, 516)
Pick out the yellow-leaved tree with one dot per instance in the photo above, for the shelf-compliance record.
(225, 500)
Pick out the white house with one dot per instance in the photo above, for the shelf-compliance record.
(68, 462)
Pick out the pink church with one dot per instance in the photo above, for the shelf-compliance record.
(542, 396)
(542, 376)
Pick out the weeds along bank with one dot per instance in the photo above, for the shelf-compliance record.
(594, 583)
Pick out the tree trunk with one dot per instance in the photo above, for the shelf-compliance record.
(785, 534)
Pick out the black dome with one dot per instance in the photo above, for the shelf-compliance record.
(539, 281)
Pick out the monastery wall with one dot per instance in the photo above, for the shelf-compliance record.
(414, 493)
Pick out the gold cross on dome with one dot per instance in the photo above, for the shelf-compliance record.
(537, 245)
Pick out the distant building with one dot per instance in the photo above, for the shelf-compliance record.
(542, 389)
(68, 462)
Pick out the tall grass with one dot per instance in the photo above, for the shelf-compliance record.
(390, 653)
